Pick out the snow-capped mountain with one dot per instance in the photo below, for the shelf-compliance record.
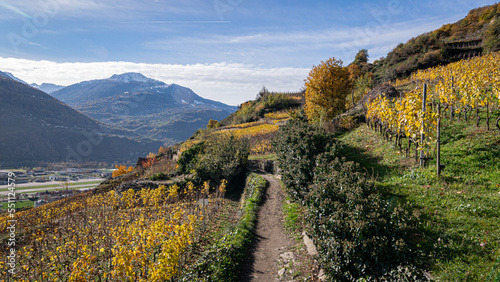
(132, 77)
(150, 107)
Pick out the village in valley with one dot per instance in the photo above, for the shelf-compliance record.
(38, 186)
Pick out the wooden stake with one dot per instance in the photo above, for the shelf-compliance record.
(422, 137)
(438, 149)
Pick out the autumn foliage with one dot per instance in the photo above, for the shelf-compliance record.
(327, 87)
(121, 169)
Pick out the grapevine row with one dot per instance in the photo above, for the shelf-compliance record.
(452, 91)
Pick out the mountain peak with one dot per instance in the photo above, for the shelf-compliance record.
(131, 77)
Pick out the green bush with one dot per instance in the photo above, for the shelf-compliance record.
(188, 159)
(223, 261)
(218, 157)
(222, 157)
(159, 176)
(296, 145)
(358, 233)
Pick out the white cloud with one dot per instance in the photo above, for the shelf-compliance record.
(229, 83)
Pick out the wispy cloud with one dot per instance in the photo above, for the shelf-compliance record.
(131, 10)
(226, 82)
(14, 9)
(303, 47)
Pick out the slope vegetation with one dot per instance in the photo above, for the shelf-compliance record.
(476, 34)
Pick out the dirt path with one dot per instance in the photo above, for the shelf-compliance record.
(271, 240)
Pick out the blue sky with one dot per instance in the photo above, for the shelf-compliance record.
(223, 49)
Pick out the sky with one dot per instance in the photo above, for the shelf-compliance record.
(224, 50)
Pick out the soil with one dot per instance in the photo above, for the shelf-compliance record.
(271, 242)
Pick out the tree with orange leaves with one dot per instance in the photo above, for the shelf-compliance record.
(327, 87)
(121, 169)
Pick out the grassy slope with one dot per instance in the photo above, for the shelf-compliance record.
(460, 214)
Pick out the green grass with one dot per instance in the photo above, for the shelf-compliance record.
(270, 157)
(460, 225)
(19, 204)
(292, 213)
(224, 259)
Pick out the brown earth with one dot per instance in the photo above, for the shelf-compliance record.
(271, 241)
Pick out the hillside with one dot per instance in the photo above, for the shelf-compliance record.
(391, 220)
(400, 188)
(38, 128)
(478, 33)
(148, 107)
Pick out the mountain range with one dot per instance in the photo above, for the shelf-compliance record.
(48, 88)
(37, 128)
(150, 108)
(114, 119)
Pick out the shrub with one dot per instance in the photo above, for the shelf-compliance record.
(159, 176)
(188, 159)
(221, 157)
(296, 145)
(357, 232)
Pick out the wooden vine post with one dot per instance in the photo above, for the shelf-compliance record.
(438, 140)
(422, 136)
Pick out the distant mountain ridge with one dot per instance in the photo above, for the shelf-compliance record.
(11, 76)
(48, 88)
(149, 107)
(38, 128)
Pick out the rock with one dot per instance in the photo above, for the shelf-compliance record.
(282, 272)
(321, 275)
(311, 248)
(288, 256)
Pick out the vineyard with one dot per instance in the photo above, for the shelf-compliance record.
(258, 133)
(453, 91)
(142, 235)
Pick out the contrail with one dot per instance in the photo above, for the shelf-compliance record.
(14, 9)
